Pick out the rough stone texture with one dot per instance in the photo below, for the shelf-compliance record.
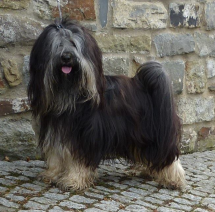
(174, 44)
(189, 140)
(22, 193)
(184, 15)
(206, 138)
(115, 65)
(76, 9)
(205, 44)
(210, 68)
(210, 15)
(43, 9)
(134, 14)
(118, 43)
(3, 84)
(17, 137)
(103, 12)
(195, 77)
(10, 106)
(175, 70)
(11, 72)
(196, 109)
(15, 5)
(25, 70)
(18, 29)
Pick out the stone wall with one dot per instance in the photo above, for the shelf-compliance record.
(129, 32)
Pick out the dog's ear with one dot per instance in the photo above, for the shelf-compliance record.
(38, 63)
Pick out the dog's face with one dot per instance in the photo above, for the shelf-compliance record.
(66, 58)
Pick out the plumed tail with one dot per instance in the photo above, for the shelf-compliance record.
(164, 126)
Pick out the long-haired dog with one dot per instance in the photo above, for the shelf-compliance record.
(85, 117)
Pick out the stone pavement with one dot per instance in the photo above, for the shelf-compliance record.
(114, 190)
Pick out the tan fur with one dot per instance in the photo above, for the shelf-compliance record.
(172, 176)
(66, 172)
(55, 166)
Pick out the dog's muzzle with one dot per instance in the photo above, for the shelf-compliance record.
(66, 59)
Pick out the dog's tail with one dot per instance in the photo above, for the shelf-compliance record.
(164, 127)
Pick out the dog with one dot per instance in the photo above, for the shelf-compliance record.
(84, 117)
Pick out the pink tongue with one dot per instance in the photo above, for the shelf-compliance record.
(66, 70)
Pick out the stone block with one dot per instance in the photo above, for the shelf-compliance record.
(25, 70)
(76, 9)
(11, 72)
(210, 15)
(103, 11)
(195, 77)
(18, 29)
(196, 109)
(174, 44)
(175, 70)
(115, 65)
(184, 15)
(14, 4)
(210, 68)
(205, 44)
(43, 9)
(10, 106)
(206, 138)
(17, 137)
(119, 43)
(189, 140)
(137, 15)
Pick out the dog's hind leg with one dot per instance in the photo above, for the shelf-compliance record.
(172, 176)
(76, 175)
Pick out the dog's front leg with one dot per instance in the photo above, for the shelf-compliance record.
(76, 174)
(54, 169)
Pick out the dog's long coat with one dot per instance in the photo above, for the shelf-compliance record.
(85, 116)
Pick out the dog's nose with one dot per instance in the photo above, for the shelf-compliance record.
(66, 57)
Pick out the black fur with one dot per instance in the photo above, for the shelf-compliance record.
(134, 118)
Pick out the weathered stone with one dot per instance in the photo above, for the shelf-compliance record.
(103, 11)
(43, 9)
(14, 4)
(92, 26)
(206, 138)
(205, 44)
(76, 9)
(25, 70)
(196, 109)
(174, 44)
(210, 68)
(189, 140)
(210, 15)
(17, 137)
(184, 15)
(116, 65)
(195, 77)
(10, 106)
(175, 70)
(211, 88)
(140, 44)
(18, 29)
(3, 84)
(135, 15)
(11, 72)
(118, 43)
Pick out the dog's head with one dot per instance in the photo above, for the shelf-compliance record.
(65, 59)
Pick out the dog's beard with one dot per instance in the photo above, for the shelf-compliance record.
(72, 81)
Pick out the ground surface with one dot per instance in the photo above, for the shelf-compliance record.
(114, 191)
